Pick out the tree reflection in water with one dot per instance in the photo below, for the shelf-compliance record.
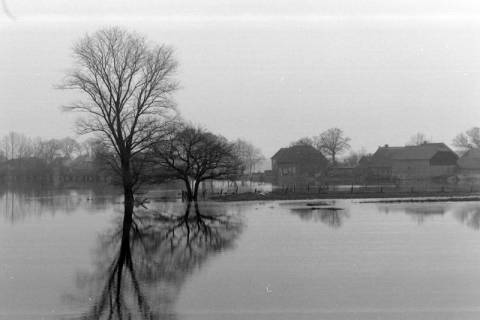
(332, 217)
(420, 213)
(469, 215)
(143, 264)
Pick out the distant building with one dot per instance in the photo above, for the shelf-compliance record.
(469, 165)
(425, 161)
(340, 175)
(300, 165)
(470, 161)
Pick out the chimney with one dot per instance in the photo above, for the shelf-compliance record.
(385, 146)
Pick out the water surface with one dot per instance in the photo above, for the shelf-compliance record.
(66, 255)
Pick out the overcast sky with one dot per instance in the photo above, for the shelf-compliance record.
(266, 71)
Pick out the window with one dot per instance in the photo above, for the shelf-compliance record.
(288, 171)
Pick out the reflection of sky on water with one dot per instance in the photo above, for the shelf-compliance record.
(237, 259)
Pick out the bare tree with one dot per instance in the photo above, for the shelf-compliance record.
(129, 86)
(69, 147)
(194, 155)
(248, 154)
(47, 150)
(417, 139)
(16, 145)
(332, 142)
(354, 157)
(468, 140)
(305, 141)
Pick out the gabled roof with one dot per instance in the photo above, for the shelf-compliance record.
(470, 159)
(425, 151)
(421, 152)
(298, 153)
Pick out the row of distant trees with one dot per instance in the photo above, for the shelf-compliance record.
(185, 152)
(15, 145)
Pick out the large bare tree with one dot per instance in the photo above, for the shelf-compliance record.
(332, 142)
(128, 87)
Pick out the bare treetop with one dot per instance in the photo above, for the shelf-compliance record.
(332, 142)
(129, 86)
(417, 139)
(468, 140)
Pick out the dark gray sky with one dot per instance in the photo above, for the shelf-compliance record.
(267, 71)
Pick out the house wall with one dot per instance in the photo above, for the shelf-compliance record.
(407, 169)
(469, 163)
(287, 174)
(377, 174)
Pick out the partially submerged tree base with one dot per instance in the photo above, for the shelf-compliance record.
(194, 155)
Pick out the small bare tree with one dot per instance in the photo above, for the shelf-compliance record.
(16, 146)
(417, 139)
(128, 85)
(468, 140)
(194, 155)
(69, 147)
(353, 158)
(249, 155)
(332, 142)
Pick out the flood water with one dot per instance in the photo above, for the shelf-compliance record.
(66, 255)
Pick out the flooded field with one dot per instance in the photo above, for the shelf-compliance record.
(71, 255)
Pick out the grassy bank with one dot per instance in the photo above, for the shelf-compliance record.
(252, 196)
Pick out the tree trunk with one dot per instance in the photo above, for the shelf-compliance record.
(195, 191)
(127, 190)
(189, 189)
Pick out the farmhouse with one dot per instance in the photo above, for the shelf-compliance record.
(298, 165)
(420, 162)
(469, 165)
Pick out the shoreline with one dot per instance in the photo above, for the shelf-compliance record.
(276, 196)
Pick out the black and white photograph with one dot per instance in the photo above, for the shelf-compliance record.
(240, 159)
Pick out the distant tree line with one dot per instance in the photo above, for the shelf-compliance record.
(23, 158)
(15, 145)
